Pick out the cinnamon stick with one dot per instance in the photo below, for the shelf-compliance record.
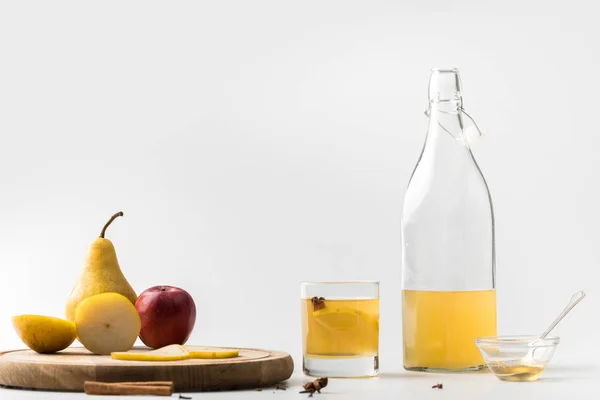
(119, 388)
(141, 383)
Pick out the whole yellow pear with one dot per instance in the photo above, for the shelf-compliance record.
(101, 273)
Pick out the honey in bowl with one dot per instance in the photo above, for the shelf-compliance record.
(516, 372)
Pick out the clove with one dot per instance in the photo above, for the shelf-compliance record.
(316, 386)
(318, 303)
(438, 386)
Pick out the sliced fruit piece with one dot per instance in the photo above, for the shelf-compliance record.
(44, 334)
(106, 323)
(340, 318)
(342, 331)
(211, 352)
(172, 352)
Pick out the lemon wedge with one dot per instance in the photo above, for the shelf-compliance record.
(211, 352)
(172, 352)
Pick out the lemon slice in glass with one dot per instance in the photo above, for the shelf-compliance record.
(340, 318)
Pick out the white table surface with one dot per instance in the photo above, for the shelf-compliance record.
(557, 382)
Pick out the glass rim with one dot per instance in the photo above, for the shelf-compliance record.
(517, 340)
(358, 282)
(444, 70)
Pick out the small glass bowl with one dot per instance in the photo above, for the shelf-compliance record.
(517, 358)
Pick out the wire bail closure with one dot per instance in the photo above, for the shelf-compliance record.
(469, 132)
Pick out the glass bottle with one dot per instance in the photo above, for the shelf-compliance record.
(448, 258)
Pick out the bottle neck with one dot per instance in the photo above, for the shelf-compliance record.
(445, 120)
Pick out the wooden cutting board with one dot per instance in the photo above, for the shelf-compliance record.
(70, 368)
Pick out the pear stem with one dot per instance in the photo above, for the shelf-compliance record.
(119, 214)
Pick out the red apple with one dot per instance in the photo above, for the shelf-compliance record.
(168, 315)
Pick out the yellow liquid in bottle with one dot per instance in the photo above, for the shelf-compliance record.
(439, 328)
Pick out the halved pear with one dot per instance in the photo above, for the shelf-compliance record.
(106, 323)
(44, 334)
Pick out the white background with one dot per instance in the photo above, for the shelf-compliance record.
(253, 145)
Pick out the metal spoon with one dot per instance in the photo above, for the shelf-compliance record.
(577, 297)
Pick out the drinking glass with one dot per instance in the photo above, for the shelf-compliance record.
(340, 329)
